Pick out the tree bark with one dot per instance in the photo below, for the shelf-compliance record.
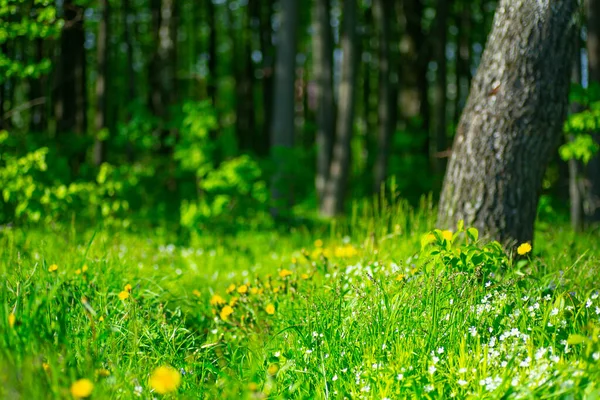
(440, 34)
(282, 125)
(593, 53)
(574, 166)
(335, 187)
(100, 122)
(323, 75)
(386, 108)
(512, 121)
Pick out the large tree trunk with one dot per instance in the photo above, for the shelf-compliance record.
(325, 105)
(439, 141)
(282, 125)
(593, 51)
(333, 199)
(101, 81)
(512, 121)
(387, 94)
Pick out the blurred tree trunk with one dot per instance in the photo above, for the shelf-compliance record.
(265, 15)
(70, 105)
(212, 53)
(512, 121)
(574, 166)
(130, 96)
(335, 187)
(101, 81)
(387, 94)
(593, 52)
(3, 123)
(325, 105)
(37, 122)
(414, 104)
(440, 34)
(282, 125)
(463, 58)
(161, 74)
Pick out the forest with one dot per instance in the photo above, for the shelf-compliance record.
(370, 199)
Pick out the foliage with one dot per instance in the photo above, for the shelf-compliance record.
(307, 314)
(580, 125)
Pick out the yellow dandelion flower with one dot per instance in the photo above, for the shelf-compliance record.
(102, 372)
(226, 312)
(524, 249)
(11, 320)
(127, 288)
(318, 243)
(82, 388)
(261, 291)
(124, 295)
(77, 271)
(53, 268)
(400, 277)
(447, 235)
(45, 366)
(294, 261)
(270, 309)
(196, 293)
(276, 290)
(165, 379)
(304, 276)
(101, 319)
(216, 300)
(253, 290)
(272, 370)
(285, 272)
(231, 288)
(242, 289)
(233, 301)
(84, 268)
(253, 387)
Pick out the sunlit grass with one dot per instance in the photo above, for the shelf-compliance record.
(377, 307)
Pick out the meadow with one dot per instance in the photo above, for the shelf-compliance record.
(380, 306)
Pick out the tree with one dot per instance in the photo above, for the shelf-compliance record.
(512, 121)
(440, 34)
(322, 42)
(101, 81)
(335, 187)
(282, 125)
(387, 94)
(593, 51)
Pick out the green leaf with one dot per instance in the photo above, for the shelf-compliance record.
(473, 234)
(577, 339)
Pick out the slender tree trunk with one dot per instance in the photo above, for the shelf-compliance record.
(267, 50)
(463, 59)
(413, 99)
(335, 188)
(512, 121)
(212, 53)
(387, 94)
(37, 122)
(101, 81)
(282, 125)
(593, 54)
(128, 39)
(325, 105)
(440, 34)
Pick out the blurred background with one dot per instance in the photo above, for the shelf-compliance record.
(233, 114)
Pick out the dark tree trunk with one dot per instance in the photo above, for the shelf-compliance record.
(37, 86)
(265, 15)
(70, 105)
(101, 81)
(463, 58)
(593, 52)
(440, 34)
(386, 108)
(512, 121)
(414, 104)
(282, 125)
(162, 77)
(335, 187)
(323, 76)
(128, 39)
(576, 188)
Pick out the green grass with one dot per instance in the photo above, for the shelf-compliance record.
(365, 313)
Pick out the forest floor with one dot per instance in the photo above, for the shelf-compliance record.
(383, 310)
